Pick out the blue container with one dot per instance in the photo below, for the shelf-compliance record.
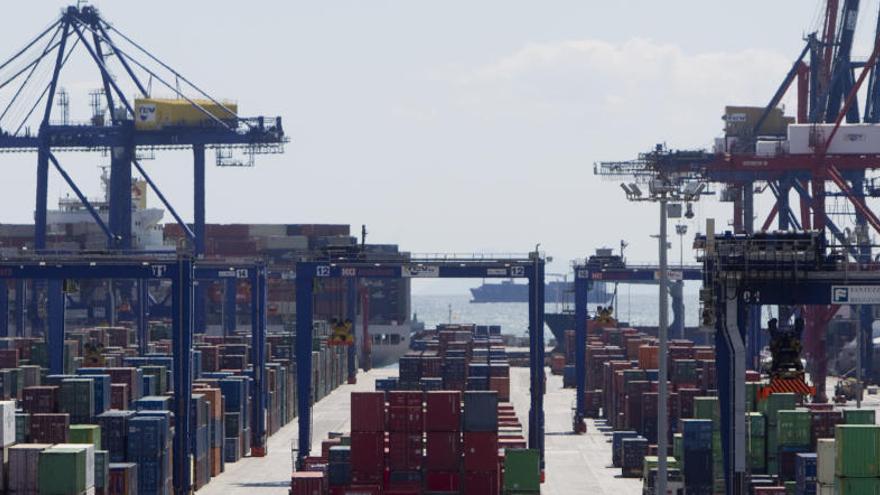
(101, 384)
(147, 438)
(386, 384)
(152, 475)
(477, 383)
(633, 452)
(697, 469)
(148, 385)
(494, 329)
(432, 384)
(153, 403)
(480, 411)
(339, 474)
(805, 474)
(478, 370)
(617, 438)
(697, 435)
(339, 454)
(652, 375)
(114, 433)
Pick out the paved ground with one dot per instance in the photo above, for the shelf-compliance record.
(270, 475)
(575, 464)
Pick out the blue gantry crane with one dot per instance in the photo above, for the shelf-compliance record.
(121, 126)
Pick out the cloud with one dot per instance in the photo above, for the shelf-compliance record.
(621, 83)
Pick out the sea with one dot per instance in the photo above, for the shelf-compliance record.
(636, 308)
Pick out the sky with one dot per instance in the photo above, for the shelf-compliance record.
(453, 126)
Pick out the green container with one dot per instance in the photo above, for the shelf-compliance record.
(86, 434)
(858, 451)
(102, 468)
(859, 416)
(790, 487)
(678, 446)
(775, 403)
(793, 428)
(62, 471)
(522, 471)
(752, 396)
(651, 462)
(772, 465)
(857, 486)
(707, 408)
(757, 441)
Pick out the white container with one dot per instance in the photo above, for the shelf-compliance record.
(768, 148)
(7, 423)
(24, 461)
(826, 457)
(90, 459)
(851, 139)
(826, 489)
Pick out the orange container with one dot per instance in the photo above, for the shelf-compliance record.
(649, 357)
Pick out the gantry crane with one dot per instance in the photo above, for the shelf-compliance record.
(828, 83)
(133, 126)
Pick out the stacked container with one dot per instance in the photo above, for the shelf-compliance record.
(443, 441)
(857, 462)
(368, 438)
(480, 425)
(405, 438)
(793, 438)
(697, 455)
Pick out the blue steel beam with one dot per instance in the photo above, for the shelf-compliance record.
(308, 272)
(164, 201)
(81, 196)
(19, 308)
(120, 190)
(305, 280)
(258, 343)
(581, 291)
(143, 316)
(199, 228)
(351, 315)
(182, 342)
(55, 339)
(536, 358)
(4, 308)
(230, 288)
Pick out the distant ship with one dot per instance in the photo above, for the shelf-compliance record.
(554, 292)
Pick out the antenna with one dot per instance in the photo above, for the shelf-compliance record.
(64, 105)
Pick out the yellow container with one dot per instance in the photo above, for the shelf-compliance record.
(152, 114)
(740, 121)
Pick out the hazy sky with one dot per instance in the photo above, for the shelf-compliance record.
(455, 125)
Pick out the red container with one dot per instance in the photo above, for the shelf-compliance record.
(367, 411)
(43, 400)
(367, 456)
(443, 450)
(481, 483)
(307, 483)
(405, 419)
(8, 358)
(119, 396)
(442, 481)
(50, 428)
(356, 489)
(399, 398)
(404, 451)
(443, 411)
(480, 451)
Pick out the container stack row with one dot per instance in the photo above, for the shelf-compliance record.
(114, 405)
